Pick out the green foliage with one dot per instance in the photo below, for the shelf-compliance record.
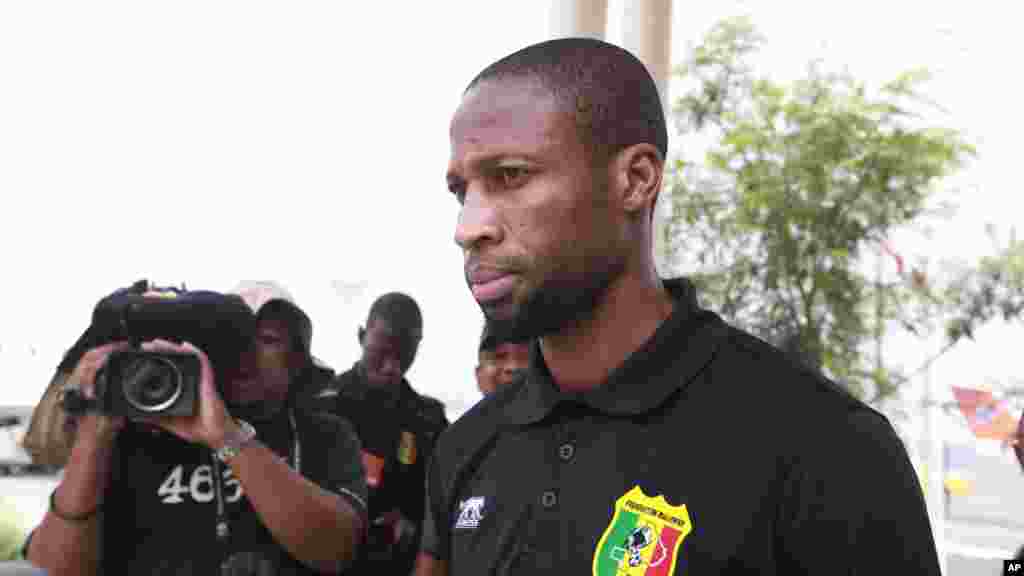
(803, 181)
(12, 533)
(992, 289)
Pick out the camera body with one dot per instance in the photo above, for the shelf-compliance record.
(139, 384)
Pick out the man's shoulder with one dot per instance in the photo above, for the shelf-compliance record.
(338, 385)
(789, 397)
(430, 402)
(431, 410)
(349, 384)
(762, 368)
(478, 425)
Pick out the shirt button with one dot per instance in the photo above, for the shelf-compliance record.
(548, 499)
(565, 451)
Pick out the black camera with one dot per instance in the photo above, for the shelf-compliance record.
(136, 383)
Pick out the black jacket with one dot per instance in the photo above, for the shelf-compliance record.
(400, 428)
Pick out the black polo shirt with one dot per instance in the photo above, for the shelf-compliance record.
(400, 427)
(706, 452)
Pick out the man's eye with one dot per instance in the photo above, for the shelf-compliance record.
(512, 176)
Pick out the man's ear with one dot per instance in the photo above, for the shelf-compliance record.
(638, 171)
(479, 381)
(361, 335)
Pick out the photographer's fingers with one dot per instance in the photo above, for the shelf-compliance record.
(204, 361)
(84, 374)
(209, 421)
(95, 425)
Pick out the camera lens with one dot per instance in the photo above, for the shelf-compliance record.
(151, 384)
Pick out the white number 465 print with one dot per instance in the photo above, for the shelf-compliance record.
(199, 486)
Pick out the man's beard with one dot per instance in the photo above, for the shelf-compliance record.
(555, 305)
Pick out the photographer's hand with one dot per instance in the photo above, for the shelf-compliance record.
(212, 421)
(94, 426)
(286, 502)
(68, 539)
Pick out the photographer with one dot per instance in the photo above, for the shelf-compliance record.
(247, 485)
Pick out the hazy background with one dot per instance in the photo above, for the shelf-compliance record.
(209, 142)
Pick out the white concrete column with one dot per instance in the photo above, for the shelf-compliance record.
(647, 33)
(579, 18)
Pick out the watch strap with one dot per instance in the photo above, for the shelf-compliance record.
(234, 444)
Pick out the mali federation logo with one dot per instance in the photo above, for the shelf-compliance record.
(407, 448)
(643, 538)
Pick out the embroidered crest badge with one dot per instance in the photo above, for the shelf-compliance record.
(407, 448)
(643, 537)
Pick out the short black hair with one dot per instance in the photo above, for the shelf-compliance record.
(400, 312)
(609, 90)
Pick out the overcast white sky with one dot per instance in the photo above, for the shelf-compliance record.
(209, 142)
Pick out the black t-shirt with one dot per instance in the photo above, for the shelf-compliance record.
(706, 452)
(160, 512)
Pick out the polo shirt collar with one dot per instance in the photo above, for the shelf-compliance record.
(677, 351)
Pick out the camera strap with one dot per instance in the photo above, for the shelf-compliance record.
(295, 458)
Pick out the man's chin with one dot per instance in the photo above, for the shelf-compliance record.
(504, 310)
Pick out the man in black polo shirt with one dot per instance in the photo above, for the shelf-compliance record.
(397, 428)
(648, 436)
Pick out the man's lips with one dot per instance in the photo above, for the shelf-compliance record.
(488, 285)
(481, 274)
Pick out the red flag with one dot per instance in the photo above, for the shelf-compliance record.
(986, 416)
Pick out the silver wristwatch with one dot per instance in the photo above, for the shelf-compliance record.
(234, 444)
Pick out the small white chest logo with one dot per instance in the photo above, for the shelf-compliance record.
(471, 512)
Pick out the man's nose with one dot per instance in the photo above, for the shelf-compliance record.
(478, 222)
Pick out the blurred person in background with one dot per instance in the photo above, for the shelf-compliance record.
(499, 361)
(396, 426)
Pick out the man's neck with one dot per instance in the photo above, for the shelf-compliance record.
(582, 356)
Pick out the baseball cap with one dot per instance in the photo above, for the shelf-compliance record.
(491, 338)
(266, 297)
